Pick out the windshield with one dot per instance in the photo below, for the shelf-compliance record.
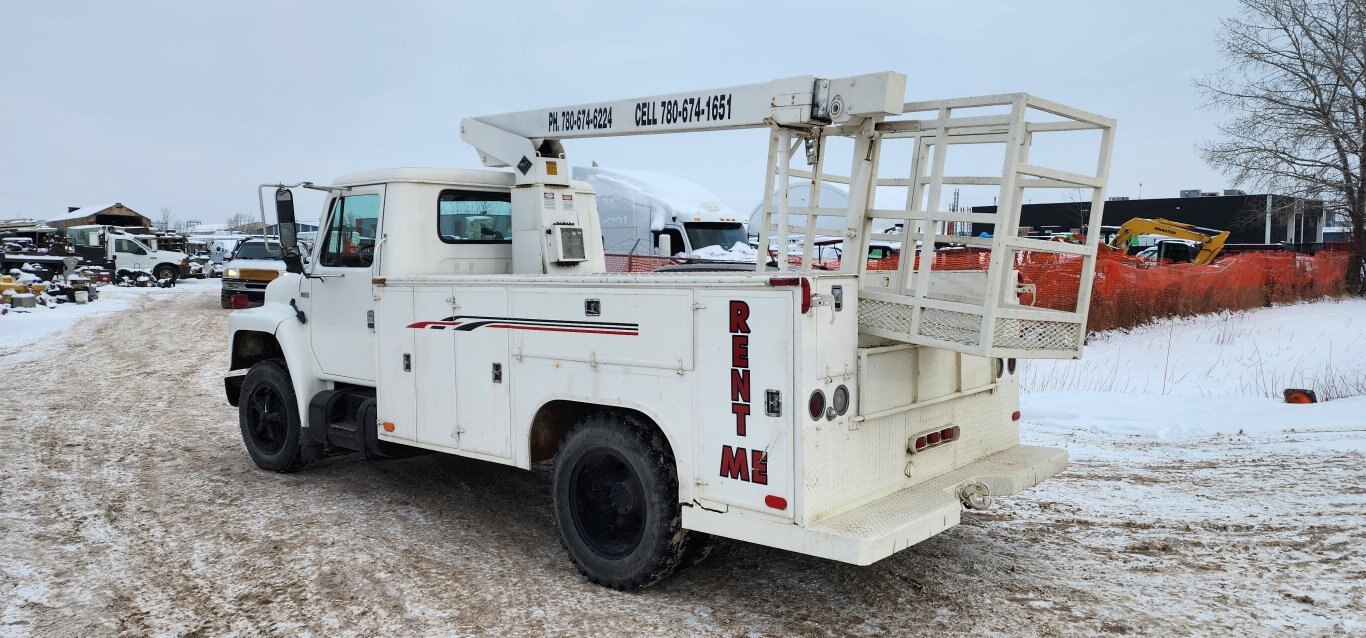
(258, 250)
(723, 234)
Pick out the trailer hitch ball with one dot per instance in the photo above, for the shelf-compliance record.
(975, 496)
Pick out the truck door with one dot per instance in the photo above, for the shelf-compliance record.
(128, 254)
(340, 296)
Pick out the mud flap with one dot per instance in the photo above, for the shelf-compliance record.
(232, 385)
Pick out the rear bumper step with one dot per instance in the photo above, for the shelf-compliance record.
(878, 529)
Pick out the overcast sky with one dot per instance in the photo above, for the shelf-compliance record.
(190, 105)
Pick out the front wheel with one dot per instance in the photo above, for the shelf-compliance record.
(165, 271)
(269, 416)
(615, 494)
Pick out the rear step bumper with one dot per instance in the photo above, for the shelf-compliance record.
(876, 530)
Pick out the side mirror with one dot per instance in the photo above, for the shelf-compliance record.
(289, 233)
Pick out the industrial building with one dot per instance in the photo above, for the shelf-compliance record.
(1250, 219)
(115, 214)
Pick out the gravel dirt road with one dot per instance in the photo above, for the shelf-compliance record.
(128, 506)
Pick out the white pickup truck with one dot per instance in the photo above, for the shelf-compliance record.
(467, 312)
(100, 244)
(249, 269)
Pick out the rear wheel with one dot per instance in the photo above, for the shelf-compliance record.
(269, 417)
(616, 503)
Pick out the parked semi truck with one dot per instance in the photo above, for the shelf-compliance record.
(647, 212)
(843, 414)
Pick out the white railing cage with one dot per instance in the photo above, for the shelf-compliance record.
(949, 290)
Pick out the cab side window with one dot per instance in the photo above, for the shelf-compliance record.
(352, 229)
(474, 217)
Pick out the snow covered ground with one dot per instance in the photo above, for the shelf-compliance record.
(1195, 506)
(1211, 375)
(22, 327)
(1227, 495)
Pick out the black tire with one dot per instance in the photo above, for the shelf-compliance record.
(166, 271)
(615, 494)
(269, 416)
(227, 300)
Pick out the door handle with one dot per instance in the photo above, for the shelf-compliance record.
(326, 275)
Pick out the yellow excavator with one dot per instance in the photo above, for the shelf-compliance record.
(1211, 241)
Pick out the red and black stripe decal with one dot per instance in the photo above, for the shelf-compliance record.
(465, 323)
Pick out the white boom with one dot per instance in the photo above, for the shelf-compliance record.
(975, 311)
(801, 102)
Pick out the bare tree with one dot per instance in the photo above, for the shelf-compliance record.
(238, 220)
(1295, 89)
(165, 220)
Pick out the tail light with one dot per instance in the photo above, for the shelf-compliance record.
(240, 301)
(840, 400)
(795, 281)
(933, 439)
(816, 405)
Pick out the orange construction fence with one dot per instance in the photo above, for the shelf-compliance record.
(1129, 291)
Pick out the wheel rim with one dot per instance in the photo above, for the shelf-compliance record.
(267, 420)
(606, 500)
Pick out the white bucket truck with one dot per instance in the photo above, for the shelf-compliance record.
(845, 414)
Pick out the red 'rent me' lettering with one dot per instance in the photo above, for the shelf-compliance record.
(739, 317)
(734, 464)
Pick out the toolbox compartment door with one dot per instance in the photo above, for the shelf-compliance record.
(742, 451)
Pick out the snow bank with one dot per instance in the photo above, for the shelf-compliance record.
(1211, 375)
(1180, 417)
(1256, 353)
(664, 194)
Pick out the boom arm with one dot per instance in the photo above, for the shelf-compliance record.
(802, 102)
(1212, 241)
(547, 226)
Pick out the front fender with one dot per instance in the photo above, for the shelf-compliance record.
(277, 319)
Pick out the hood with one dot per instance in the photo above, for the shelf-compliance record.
(256, 264)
